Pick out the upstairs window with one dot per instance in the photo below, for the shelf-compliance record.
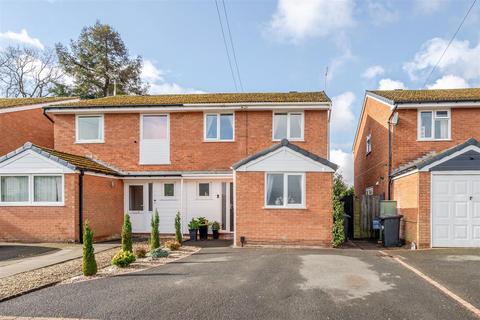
(288, 125)
(434, 125)
(89, 129)
(368, 144)
(219, 127)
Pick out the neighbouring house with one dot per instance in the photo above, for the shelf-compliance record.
(419, 148)
(22, 120)
(255, 162)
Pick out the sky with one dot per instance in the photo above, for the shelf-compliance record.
(280, 45)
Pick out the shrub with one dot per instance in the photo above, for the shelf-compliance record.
(340, 190)
(89, 265)
(178, 227)
(154, 235)
(193, 224)
(123, 258)
(140, 252)
(158, 253)
(127, 234)
(173, 245)
(202, 221)
(215, 225)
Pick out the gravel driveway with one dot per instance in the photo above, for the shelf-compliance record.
(251, 284)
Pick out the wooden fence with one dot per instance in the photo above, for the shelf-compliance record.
(365, 209)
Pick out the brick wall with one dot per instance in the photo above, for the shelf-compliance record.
(424, 210)
(188, 151)
(311, 226)
(43, 224)
(103, 206)
(405, 192)
(16, 128)
(372, 168)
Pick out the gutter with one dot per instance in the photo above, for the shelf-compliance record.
(80, 207)
(46, 115)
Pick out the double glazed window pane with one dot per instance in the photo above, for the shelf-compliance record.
(47, 189)
(280, 126)
(14, 189)
(204, 189)
(426, 124)
(441, 128)
(89, 128)
(168, 190)
(226, 127)
(294, 189)
(136, 198)
(287, 125)
(211, 126)
(219, 126)
(275, 189)
(154, 127)
(295, 125)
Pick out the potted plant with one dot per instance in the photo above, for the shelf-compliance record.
(203, 228)
(192, 229)
(215, 228)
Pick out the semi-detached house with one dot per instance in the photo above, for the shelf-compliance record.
(255, 162)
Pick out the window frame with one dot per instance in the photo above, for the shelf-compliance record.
(144, 197)
(286, 205)
(31, 201)
(101, 129)
(163, 196)
(433, 118)
(218, 138)
(368, 144)
(289, 113)
(198, 196)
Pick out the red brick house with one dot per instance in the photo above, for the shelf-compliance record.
(255, 162)
(22, 120)
(419, 147)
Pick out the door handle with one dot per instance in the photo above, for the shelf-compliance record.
(471, 198)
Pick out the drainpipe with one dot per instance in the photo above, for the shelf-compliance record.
(47, 116)
(80, 207)
(389, 180)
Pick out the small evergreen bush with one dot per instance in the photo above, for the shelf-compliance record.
(159, 253)
(178, 227)
(89, 264)
(140, 252)
(123, 259)
(172, 245)
(127, 234)
(154, 235)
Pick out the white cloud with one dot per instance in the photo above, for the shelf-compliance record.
(389, 84)
(373, 71)
(344, 160)
(342, 114)
(381, 12)
(449, 82)
(461, 59)
(21, 37)
(429, 6)
(155, 77)
(296, 20)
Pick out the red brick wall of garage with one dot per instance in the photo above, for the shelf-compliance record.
(311, 226)
(370, 169)
(424, 227)
(43, 224)
(21, 126)
(188, 151)
(405, 192)
(464, 123)
(103, 206)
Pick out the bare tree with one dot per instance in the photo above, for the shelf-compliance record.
(27, 72)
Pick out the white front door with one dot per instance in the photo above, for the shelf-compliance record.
(166, 200)
(455, 210)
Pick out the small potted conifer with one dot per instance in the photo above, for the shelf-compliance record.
(192, 229)
(203, 228)
(215, 228)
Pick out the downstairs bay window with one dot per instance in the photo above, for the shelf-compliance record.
(31, 190)
(284, 190)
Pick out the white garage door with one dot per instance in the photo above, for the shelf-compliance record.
(455, 210)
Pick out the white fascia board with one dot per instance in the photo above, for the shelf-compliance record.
(195, 107)
(453, 155)
(34, 106)
(438, 105)
(405, 174)
(60, 168)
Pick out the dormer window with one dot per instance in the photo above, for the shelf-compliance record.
(434, 125)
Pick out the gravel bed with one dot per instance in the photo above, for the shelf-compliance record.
(24, 282)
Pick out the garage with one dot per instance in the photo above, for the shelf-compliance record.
(455, 210)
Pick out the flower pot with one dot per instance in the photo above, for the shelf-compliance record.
(193, 234)
(203, 230)
(215, 234)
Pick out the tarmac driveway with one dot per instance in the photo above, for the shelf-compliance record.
(251, 283)
(457, 269)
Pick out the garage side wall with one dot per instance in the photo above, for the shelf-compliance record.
(310, 226)
(43, 223)
(424, 230)
(405, 192)
(103, 206)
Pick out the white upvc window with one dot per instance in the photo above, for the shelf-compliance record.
(219, 127)
(204, 190)
(31, 190)
(284, 190)
(89, 129)
(288, 125)
(368, 144)
(434, 125)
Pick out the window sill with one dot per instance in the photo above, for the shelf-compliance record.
(432, 140)
(90, 142)
(284, 208)
(291, 139)
(209, 141)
